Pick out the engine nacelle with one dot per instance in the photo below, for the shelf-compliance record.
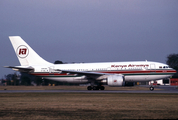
(116, 80)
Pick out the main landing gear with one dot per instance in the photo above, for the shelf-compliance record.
(95, 88)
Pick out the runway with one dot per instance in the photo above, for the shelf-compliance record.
(162, 89)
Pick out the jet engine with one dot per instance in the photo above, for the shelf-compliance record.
(116, 80)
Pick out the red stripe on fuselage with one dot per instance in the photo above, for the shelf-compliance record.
(143, 71)
(112, 72)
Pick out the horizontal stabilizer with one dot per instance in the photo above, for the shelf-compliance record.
(20, 68)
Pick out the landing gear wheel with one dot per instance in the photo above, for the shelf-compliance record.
(89, 88)
(102, 87)
(95, 88)
(151, 88)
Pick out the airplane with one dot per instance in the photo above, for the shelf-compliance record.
(113, 74)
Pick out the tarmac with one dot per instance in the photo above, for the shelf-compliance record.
(162, 89)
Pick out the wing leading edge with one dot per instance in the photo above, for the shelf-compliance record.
(94, 75)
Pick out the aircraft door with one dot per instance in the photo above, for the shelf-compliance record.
(152, 66)
(51, 69)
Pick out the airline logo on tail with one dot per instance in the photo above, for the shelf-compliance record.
(22, 51)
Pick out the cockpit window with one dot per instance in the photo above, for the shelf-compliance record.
(165, 67)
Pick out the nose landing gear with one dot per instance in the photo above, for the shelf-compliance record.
(151, 88)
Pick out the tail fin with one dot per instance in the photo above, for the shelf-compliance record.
(26, 55)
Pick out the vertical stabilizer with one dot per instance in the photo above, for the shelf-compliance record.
(26, 55)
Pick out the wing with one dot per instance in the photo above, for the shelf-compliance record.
(94, 75)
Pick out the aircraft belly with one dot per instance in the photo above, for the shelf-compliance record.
(140, 78)
(157, 77)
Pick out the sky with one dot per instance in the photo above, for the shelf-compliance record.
(90, 30)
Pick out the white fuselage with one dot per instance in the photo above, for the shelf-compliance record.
(133, 71)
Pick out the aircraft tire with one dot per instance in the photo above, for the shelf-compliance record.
(95, 88)
(89, 88)
(151, 88)
(102, 87)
